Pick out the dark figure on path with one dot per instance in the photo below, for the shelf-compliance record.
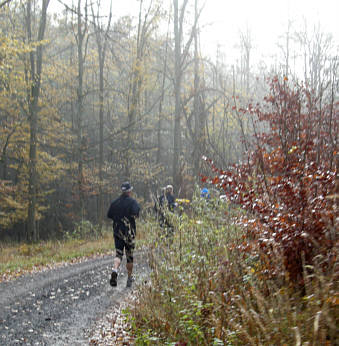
(123, 212)
(166, 200)
(168, 197)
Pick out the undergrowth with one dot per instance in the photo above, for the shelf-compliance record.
(204, 291)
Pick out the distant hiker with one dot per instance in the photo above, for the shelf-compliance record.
(166, 202)
(170, 198)
(204, 193)
(123, 212)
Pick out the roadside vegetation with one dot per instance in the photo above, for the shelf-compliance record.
(206, 290)
(261, 269)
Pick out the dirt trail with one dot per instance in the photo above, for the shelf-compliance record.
(60, 306)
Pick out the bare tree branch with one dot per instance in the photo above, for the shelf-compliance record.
(4, 3)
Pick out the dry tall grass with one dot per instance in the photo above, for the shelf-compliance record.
(203, 291)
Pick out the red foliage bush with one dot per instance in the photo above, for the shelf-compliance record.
(285, 184)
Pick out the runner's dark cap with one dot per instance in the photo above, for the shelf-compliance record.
(126, 187)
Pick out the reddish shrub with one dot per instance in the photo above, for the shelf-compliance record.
(285, 184)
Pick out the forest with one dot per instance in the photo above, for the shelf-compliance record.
(89, 100)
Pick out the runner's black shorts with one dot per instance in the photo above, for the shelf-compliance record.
(121, 243)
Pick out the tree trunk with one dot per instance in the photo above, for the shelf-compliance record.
(160, 120)
(177, 92)
(180, 56)
(196, 109)
(102, 45)
(144, 28)
(33, 97)
(80, 108)
(101, 143)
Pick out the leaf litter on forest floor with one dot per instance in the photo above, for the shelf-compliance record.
(113, 328)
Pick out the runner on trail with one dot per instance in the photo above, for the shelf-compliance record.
(166, 201)
(123, 212)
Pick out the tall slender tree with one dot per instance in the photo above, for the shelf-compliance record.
(35, 72)
(146, 26)
(181, 53)
(81, 40)
(199, 111)
(101, 35)
(162, 97)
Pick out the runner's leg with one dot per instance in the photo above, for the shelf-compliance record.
(129, 248)
(119, 247)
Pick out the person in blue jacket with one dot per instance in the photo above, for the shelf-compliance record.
(204, 193)
(123, 212)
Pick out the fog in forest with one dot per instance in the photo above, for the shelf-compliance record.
(94, 93)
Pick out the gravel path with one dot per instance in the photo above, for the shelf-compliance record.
(60, 306)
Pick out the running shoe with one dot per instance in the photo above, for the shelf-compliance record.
(130, 280)
(113, 282)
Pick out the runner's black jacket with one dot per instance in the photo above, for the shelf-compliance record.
(123, 211)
